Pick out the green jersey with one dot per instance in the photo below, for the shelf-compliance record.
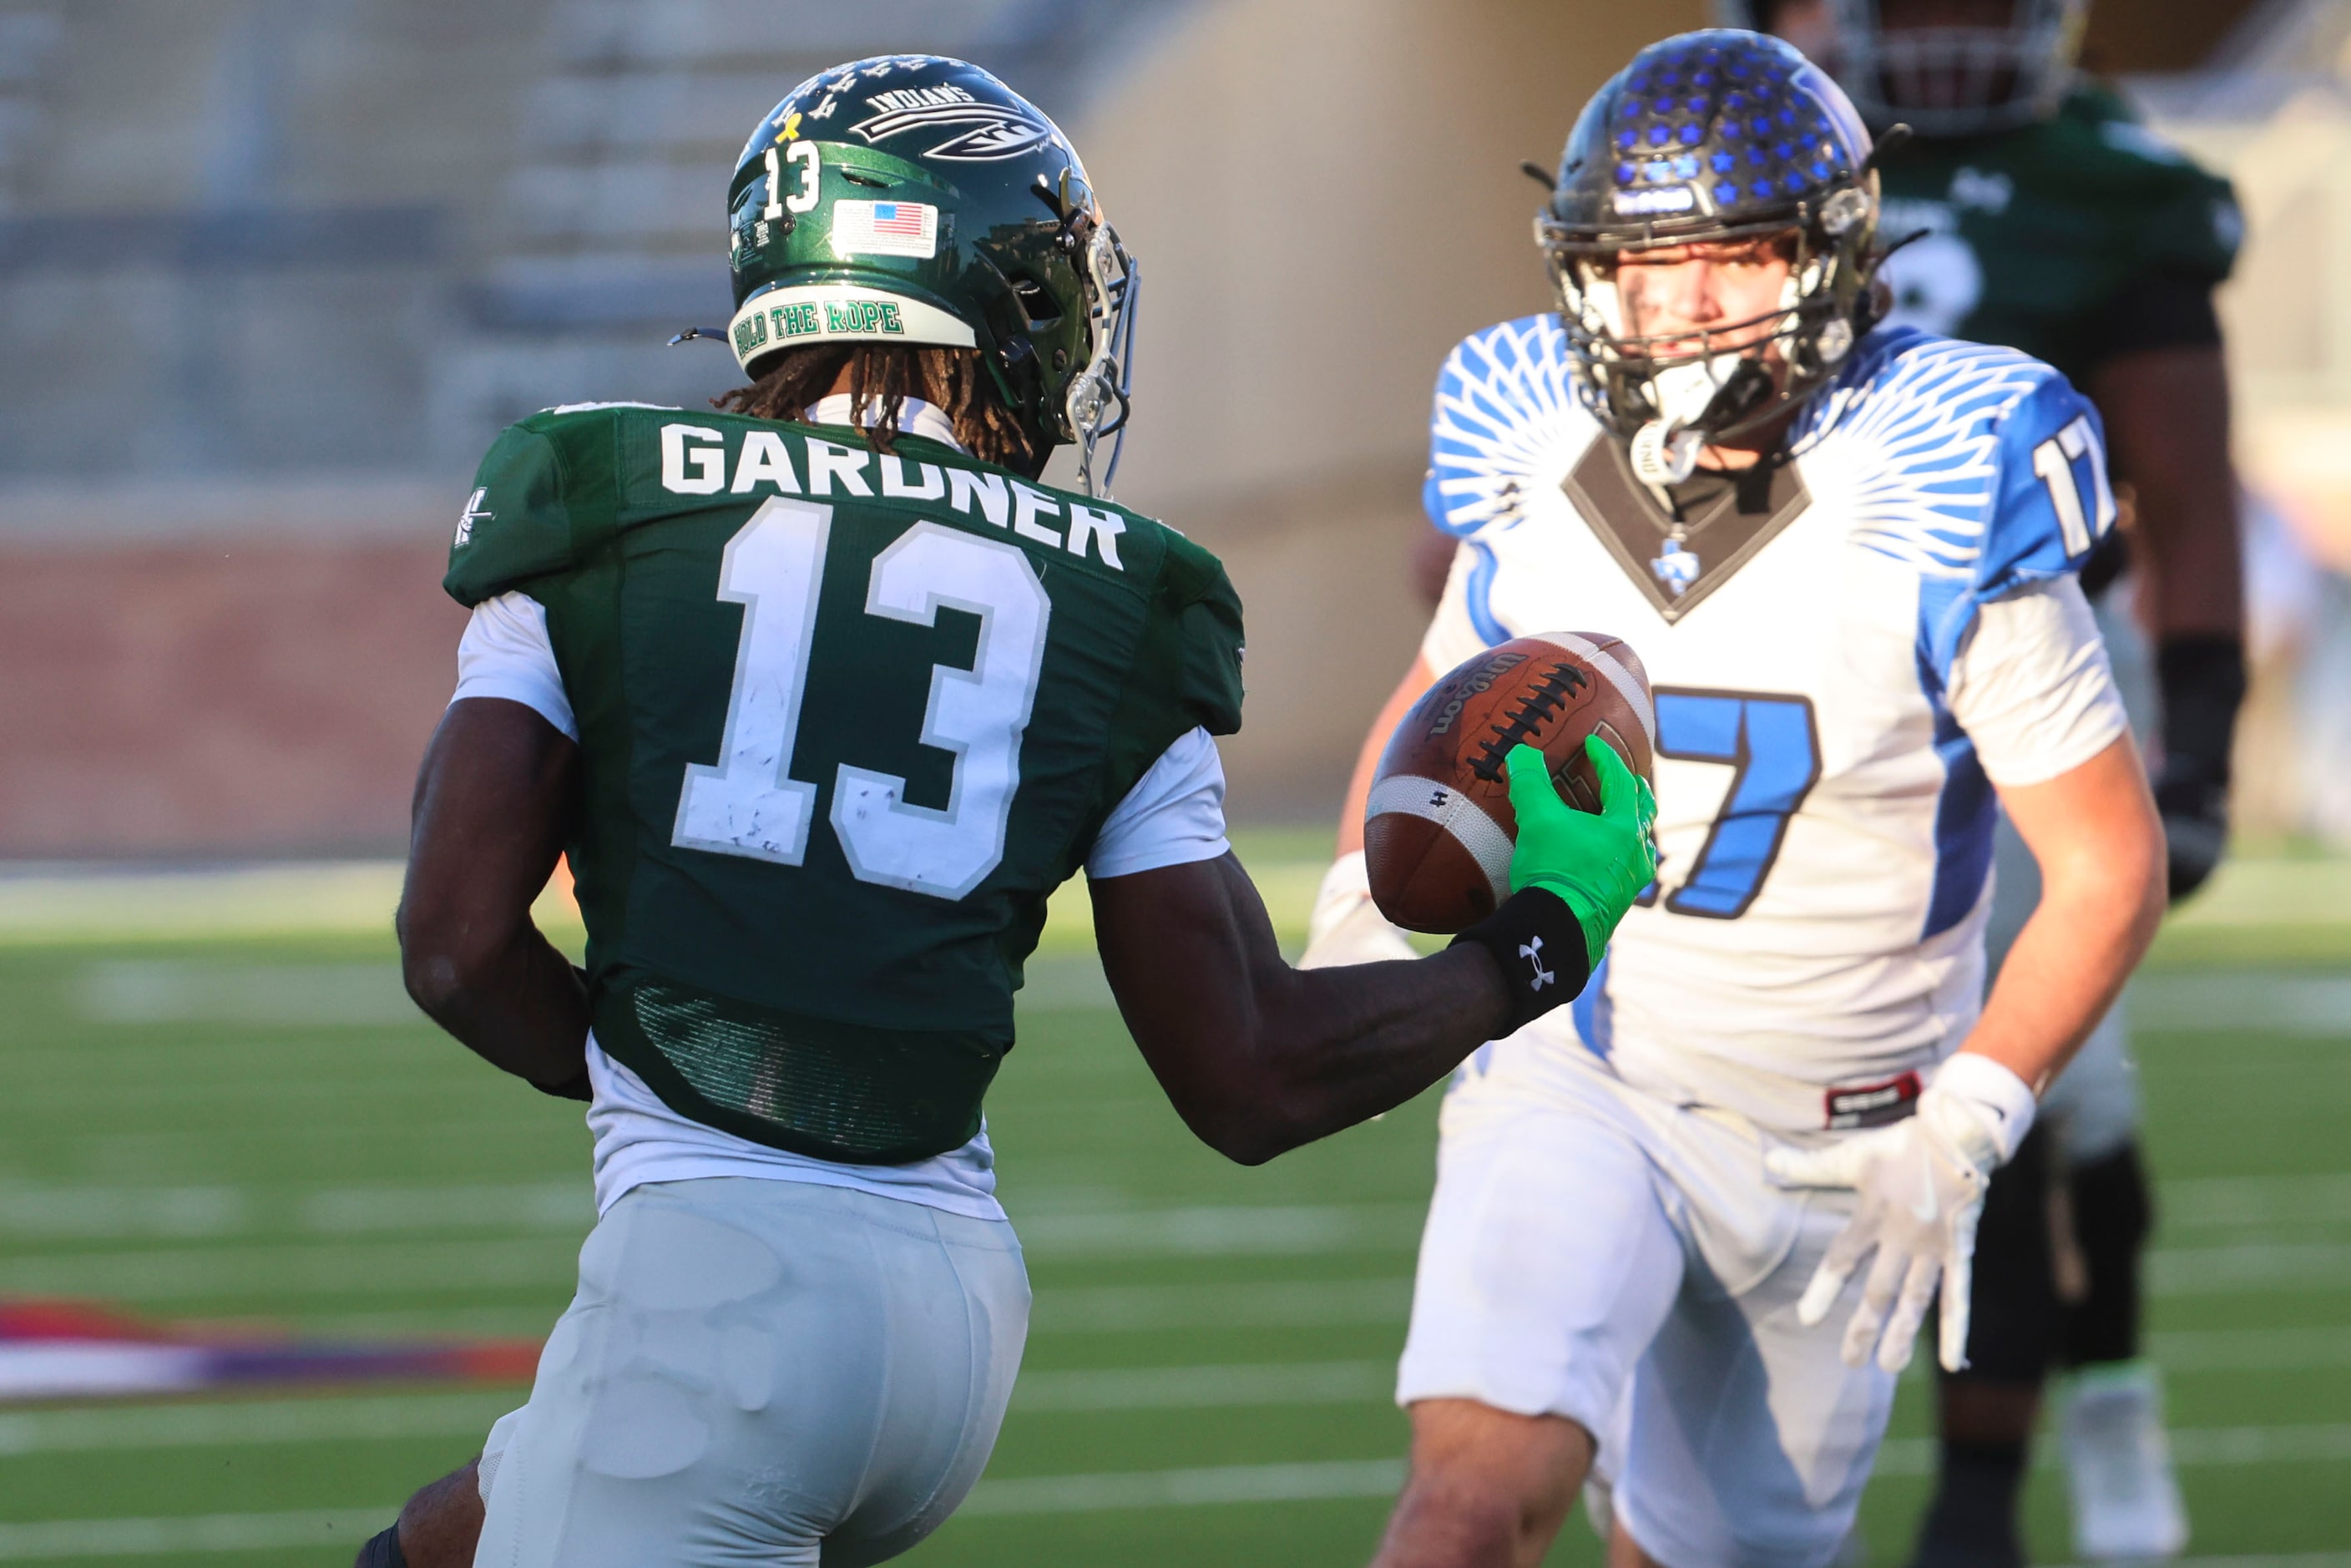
(845, 720)
(2042, 238)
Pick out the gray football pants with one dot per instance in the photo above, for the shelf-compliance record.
(760, 1373)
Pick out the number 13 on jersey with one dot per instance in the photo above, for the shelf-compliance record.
(748, 804)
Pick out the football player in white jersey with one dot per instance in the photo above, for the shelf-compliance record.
(1685, 1233)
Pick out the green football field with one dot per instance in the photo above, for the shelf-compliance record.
(218, 1108)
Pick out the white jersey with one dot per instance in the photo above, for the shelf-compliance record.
(1848, 651)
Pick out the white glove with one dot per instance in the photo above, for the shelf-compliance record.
(1347, 927)
(1921, 1184)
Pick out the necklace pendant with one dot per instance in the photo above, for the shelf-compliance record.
(1675, 567)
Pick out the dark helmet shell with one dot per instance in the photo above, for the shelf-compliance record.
(915, 199)
(1710, 135)
(1720, 135)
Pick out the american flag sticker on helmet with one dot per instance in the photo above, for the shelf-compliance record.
(885, 228)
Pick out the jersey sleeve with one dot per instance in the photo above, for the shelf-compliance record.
(1208, 615)
(2187, 220)
(517, 524)
(1501, 395)
(2051, 502)
(507, 653)
(1174, 815)
(2046, 504)
(1186, 679)
(2031, 687)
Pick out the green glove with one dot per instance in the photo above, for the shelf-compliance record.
(1598, 864)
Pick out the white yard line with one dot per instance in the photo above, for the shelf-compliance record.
(1226, 1231)
(1185, 1489)
(2191, 1446)
(1381, 1477)
(64, 1538)
(2317, 1006)
(39, 1211)
(234, 1423)
(323, 1269)
(546, 1221)
(252, 1421)
(2249, 1350)
(2279, 1560)
(284, 996)
(1206, 1387)
(1272, 1303)
(2252, 1268)
(31, 1211)
(2227, 1202)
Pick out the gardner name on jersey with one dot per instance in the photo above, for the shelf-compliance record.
(879, 703)
(1848, 644)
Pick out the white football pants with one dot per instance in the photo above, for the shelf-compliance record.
(762, 1372)
(1596, 1253)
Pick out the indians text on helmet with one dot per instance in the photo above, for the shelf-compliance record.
(986, 131)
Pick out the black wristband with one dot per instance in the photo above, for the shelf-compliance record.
(2108, 559)
(383, 1552)
(2202, 680)
(1538, 945)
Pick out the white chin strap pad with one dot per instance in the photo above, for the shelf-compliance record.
(1683, 390)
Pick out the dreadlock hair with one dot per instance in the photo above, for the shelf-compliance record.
(880, 377)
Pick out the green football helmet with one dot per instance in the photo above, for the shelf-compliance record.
(914, 199)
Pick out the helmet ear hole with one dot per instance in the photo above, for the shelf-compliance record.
(1036, 301)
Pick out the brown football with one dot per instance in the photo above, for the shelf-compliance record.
(1439, 827)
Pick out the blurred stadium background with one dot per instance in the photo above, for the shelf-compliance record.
(271, 276)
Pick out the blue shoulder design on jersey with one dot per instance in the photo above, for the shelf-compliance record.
(1505, 401)
(1983, 470)
(1506, 407)
(1980, 467)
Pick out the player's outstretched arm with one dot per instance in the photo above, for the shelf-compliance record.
(2094, 831)
(1921, 1182)
(497, 789)
(1259, 1058)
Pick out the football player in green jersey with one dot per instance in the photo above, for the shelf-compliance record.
(822, 696)
(2049, 220)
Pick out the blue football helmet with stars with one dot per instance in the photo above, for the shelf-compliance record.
(1713, 136)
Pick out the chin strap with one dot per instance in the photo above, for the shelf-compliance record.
(1664, 452)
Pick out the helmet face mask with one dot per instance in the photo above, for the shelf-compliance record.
(1711, 139)
(917, 199)
(1097, 405)
(1678, 388)
(1954, 70)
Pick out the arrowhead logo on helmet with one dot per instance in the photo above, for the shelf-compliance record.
(993, 130)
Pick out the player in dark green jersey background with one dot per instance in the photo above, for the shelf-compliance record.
(822, 696)
(2049, 220)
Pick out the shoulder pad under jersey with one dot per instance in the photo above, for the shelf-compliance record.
(1507, 414)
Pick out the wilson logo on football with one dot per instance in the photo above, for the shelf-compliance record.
(983, 131)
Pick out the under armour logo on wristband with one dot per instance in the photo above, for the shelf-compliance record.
(1532, 952)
